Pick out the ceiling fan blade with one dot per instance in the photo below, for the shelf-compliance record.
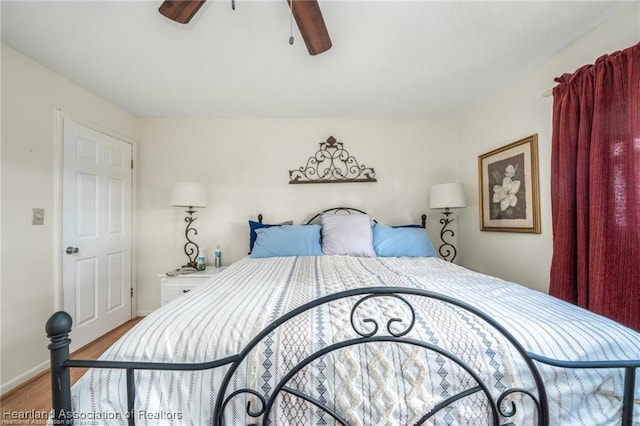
(311, 24)
(180, 10)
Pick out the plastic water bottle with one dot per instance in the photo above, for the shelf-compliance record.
(200, 263)
(218, 258)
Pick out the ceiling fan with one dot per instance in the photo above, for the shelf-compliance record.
(306, 13)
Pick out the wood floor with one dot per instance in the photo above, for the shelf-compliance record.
(36, 394)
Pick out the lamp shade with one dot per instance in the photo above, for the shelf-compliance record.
(447, 195)
(189, 194)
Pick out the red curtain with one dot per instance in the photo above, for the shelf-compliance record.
(595, 187)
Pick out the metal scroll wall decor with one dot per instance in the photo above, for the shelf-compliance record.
(332, 164)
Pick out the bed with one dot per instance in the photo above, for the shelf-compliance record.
(363, 330)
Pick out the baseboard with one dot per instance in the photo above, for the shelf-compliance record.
(23, 378)
(29, 375)
(142, 313)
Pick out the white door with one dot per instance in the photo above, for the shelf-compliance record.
(96, 231)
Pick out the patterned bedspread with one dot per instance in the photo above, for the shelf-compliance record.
(373, 384)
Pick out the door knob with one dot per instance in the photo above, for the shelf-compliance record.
(72, 250)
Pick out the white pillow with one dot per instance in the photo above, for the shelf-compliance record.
(350, 235)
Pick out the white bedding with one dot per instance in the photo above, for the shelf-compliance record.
(218, 319)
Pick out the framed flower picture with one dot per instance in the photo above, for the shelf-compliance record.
(509, 190)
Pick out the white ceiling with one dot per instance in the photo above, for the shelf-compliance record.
(390, 59)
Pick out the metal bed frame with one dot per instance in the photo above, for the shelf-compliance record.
(347, 210)
(366, 331)
(395, 330)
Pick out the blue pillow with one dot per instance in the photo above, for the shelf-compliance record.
(257, 225)
(406, 241)
(287, 240)
(252, 232)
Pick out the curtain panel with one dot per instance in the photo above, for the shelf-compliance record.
(595, 187)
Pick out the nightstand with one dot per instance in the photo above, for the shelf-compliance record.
(173, 287)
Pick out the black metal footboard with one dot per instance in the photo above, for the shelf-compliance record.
(365, 330)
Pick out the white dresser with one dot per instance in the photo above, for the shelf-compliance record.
(173, 287)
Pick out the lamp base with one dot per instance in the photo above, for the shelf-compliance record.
(191, 249)
(447, 250)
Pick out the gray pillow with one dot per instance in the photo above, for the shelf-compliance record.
(350, 235)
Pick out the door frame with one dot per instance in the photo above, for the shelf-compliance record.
(58, 173)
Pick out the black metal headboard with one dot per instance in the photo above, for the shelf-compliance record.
(336, 210)
(345, 210)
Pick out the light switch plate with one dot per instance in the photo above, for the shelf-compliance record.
(38, 217)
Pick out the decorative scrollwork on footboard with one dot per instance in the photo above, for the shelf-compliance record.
(250, 411)
(507, 411)
(396, 328)
(390, 321)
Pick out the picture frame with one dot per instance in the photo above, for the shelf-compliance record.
(509, 188)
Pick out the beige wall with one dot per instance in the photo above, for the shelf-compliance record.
(31, 95)
(517, 112)
(245, 165)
